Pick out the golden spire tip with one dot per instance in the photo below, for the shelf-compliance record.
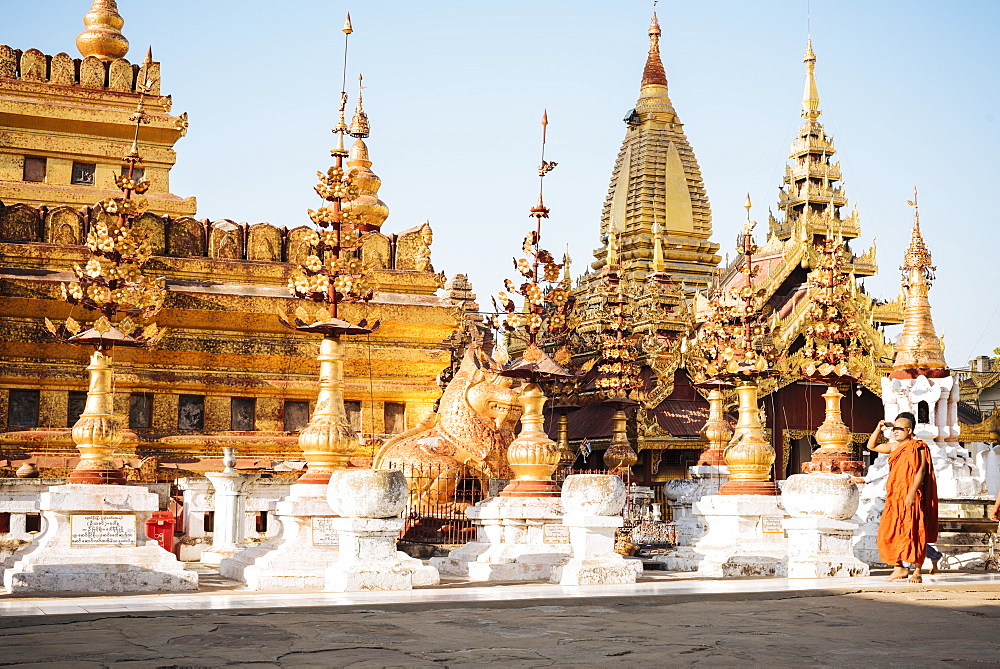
(102, 36)
(348, 29)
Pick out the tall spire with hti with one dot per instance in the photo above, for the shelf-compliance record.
(656, 178)
(918, 350)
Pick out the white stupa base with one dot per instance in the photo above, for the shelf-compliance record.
(821, 547)
(94, 540)
(594, 561)
(744, 536)
(298, 557)
(514, 541)
(368, 559)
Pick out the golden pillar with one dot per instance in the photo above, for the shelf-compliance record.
(717, 432)
(532, 455)
(98, 431)
(328, 441)
(749, 456)
(836, 452)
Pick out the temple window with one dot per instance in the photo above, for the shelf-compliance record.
(75, 406)
(395, 417)
(923, 412)
(32, 522)
(140, 410)
(34, 169)
(241, 411)
(5, 522)
(83, 174)
(208, 522)
(353, 410)
(22, 408)
(191, 412)
(261, 524)
(296, 415)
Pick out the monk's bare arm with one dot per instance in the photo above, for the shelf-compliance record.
(918, 480)
(873, 444)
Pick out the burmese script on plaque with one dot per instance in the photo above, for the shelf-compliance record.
(102, 530)
(772, 525)
(555, 534)
(323, 532)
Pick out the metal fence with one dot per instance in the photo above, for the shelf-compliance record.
(439, 496)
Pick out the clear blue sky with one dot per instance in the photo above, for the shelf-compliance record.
(456, 90)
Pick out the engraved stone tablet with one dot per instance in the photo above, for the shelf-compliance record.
(771, 525)
(102, 530)
(323, 533)
(555, 534)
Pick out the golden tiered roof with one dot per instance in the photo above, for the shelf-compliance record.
(656, 181)
(812, 181)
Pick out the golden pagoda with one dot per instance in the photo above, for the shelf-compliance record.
(656, 183)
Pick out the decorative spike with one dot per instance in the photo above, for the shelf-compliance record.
(810, 97)
(348, 29)
(653, 74)
(360, 127)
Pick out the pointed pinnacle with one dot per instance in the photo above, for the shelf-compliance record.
(348, 29)
(149, 57)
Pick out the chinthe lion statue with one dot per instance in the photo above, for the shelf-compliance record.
(466, 438)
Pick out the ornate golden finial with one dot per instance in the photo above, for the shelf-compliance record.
(348, 29)
(360, 127)
(810, 97)
(103, 37)
(918, 350)
(339, 151)
(653, 74)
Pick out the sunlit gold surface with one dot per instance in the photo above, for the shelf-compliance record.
(748, 456)
(619, 456)
(918, 347)
(98, 431)
(328, 441)
(835, 453)
(532, 455)
(103, 37)
(717, 432)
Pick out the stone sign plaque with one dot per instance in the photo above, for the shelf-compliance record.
(555, 534)
(323, 533)
(771, 525)
(102, 530)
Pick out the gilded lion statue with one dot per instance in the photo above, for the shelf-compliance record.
(466, 438)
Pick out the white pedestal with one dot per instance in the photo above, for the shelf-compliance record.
(821, 548)
(94, 540)
(229, 534)
(682, 494)
(515, 541)
(594, 560)
(298, 557)
(368, 558)
(744, 536)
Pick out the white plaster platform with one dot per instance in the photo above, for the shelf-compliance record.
(512, 541)
(663, 585)
(93, 539)
(291, 560)
(743, 536)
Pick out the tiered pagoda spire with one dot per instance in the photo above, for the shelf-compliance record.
(812, 180)
(657, 181)
(371, 210)
(918, 351)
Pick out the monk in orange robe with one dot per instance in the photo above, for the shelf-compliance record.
(910, 517)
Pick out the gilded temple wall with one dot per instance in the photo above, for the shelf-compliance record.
(225, 282)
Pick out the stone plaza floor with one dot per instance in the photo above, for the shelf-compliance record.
(667, 619)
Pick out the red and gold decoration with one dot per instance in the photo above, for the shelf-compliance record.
(618, 379)
(831, 343)
(543, 319)
(112, 286)
(733, 345)
(331, 275)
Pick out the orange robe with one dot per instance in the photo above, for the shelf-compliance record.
(905, 531)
